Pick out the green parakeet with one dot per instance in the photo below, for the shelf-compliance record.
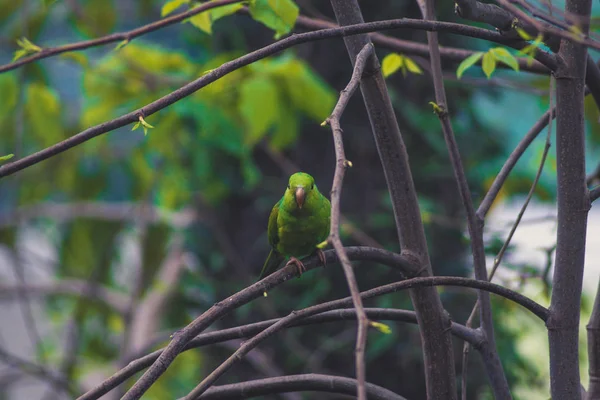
(297, 224)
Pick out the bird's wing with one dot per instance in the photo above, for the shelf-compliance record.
(272, 229)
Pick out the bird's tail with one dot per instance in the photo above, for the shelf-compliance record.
(271, 264)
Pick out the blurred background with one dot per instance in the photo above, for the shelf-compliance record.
(108, 248)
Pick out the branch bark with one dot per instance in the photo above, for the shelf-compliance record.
(573, 207)
(433, 319)
(491, 358)
(133, 117)
(161, 362)
(296, 383)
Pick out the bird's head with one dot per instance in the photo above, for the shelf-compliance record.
(300, 187)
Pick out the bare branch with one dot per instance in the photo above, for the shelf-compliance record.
(492, 193)
(491, 358)
(143, 361)
(116, 37)
(289, 272)
(595, 193)
(593, 336)
(297, 383)
(419, 49)
(573, 203)
(10, 168)
(334, 232)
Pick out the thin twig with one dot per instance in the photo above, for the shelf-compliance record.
(547, 59)
(116, 37)
(334, 232)
(511, 161)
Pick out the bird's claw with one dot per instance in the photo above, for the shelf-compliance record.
(298, 264)
(322, 257)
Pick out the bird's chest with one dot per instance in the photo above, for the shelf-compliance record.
(298, 233)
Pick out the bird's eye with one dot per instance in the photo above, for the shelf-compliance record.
(312, 186)
(289, 187)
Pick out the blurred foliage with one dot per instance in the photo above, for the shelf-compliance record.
(224, 153)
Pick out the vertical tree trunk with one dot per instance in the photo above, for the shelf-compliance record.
(433, 320)
(573, 206)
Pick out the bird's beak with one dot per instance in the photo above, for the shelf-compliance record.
(300, 194)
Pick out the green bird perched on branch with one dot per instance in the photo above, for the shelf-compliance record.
(297, 224)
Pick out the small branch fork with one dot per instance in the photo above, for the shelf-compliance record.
(334, 234)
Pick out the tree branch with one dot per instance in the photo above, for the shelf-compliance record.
(475, 227)
(573, 206)
(116, 37)
(595, 193)
(414, 48)
(492, 193)
(143, 361)
(296, 383)
(10, 168)
(334, 232)
(593, 336)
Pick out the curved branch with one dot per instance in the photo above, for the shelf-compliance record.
(116, 37)
(139, 363)
(297, 383)
(183, 337)
(414, 48)
(547, 59)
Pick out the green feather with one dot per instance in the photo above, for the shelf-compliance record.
(295, 231)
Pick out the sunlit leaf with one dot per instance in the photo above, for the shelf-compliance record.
(259, 105)
(468, 63)
(502, 55)
(279, 15)
(488, 64)
(391, 63)
(6, 157)
(171, 6)
(26, 48)
(412, 66)
(220, 12)
(202, 21)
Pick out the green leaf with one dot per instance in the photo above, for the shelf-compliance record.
(468, 63)
(220, 12)
(122, 44)
(391, 63)
(381, 327)
(171, 6)
(502, 55)
(6, 157)
(412, 66)
(202, 21)
(279, 15)
(488, 64)
(259, 106)
(77, 57)
(26, 48)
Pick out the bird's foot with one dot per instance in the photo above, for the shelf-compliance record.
(322, 257)
(299, 265)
